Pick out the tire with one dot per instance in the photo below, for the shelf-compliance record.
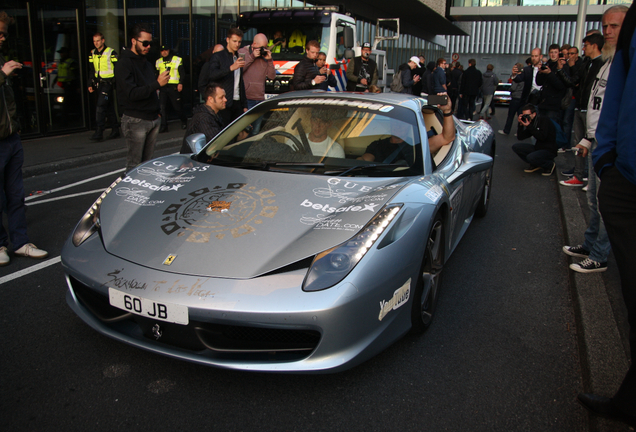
(429, 280)
(484, 200)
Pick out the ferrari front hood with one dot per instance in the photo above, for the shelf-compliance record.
(176, 215)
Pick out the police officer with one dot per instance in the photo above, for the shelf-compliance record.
(101, 66)
(174, 65)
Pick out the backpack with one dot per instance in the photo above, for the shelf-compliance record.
(396, 84)
(561, 139)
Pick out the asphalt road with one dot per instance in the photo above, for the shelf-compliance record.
(501, 355)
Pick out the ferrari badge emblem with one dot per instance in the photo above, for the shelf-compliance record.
(169, 259)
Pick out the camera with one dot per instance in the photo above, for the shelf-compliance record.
(525, 117)
(561, 55)
(543, 67)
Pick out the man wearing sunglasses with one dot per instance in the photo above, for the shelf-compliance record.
(137, 87)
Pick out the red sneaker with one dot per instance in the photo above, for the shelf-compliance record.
(572, 182)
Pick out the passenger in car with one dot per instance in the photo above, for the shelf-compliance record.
(388, 150)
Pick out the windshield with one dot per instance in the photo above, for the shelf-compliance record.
(329, 136)
(503, 87)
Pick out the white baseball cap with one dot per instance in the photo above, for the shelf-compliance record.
(416, 60)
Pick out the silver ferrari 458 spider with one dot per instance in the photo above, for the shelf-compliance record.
(289, 249)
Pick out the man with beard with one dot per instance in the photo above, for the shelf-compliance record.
(137, 87)
(205, 117)
(615, 162)
(363, 72)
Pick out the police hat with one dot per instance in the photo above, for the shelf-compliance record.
(164, 48)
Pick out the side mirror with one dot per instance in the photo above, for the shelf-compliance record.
(473, 162)
(348, 37)
(349, 54)
(196, 142)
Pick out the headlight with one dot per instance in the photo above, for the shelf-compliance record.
(331, 266)
(90, 221)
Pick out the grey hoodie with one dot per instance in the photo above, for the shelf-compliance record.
(489, 83)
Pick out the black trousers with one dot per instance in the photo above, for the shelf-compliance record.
(170, 93)
(617, 203)
(105, 106)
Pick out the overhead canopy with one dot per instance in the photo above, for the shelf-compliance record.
(416, 18)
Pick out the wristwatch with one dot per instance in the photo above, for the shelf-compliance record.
(313, 82)
(448, 114)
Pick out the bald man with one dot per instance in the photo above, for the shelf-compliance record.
(258, 67)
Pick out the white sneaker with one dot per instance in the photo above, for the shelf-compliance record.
(584, 188)
(4, 256)
(502, 132)
(30, 250)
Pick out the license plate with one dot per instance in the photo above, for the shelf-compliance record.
(169, 312)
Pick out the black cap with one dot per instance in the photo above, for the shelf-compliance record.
(366, 45)
(164, 48)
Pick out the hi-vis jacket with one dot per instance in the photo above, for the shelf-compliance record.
(176, 68)
(101, 64)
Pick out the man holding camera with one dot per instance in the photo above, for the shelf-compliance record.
(259, 66)
(172, 91)
(226, 69)
(552, 88)
(541, 155)
(363, 72)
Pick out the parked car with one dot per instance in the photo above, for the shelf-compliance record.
(271, 253)
(502, 94)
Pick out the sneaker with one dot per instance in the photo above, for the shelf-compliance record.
(589, 266)
(4, 256)
(576, 251)
(502, 132)
(532, 169)
(584, 188)
(30, 250)
(568, 173)
(572, 182)
(548, 172)
(561, 150)
(584, 178)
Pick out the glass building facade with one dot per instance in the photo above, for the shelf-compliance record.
(189, 27)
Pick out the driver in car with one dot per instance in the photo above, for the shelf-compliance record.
(320, 142)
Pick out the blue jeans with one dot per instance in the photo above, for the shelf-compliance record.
(12, 191)
(596, 239)
(141, 136)
(536, 158)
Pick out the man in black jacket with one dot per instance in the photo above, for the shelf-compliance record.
(205, 117)
(540, 155)
(306, 74)
(552, 88)
(226, 69)
(363, 71)
(137, 87)
(531, 91)
(469, 88)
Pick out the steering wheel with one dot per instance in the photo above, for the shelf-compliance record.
(298, 145)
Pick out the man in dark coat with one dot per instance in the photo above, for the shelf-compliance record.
(552, 88)
(540, 155)
(205, 118)
(531, 91)
(306, 73)
(469, 88)
(226, 68)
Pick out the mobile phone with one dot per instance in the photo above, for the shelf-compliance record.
(561, 55)
(241, 56)
(437, 99)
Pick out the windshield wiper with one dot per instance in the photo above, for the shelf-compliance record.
(366, 167)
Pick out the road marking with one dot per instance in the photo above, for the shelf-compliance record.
(31, 197)
(94, 191)
(30, 270)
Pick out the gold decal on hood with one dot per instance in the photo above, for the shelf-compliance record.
(169, 259)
